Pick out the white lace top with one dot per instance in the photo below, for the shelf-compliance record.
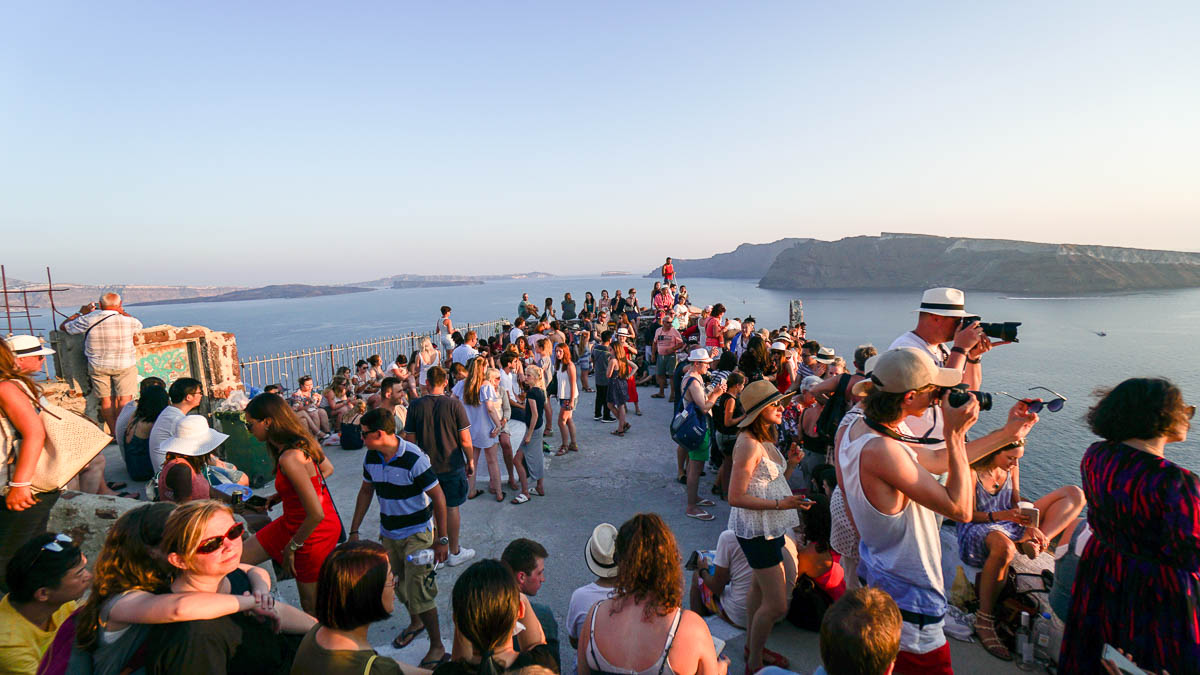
(766, 482)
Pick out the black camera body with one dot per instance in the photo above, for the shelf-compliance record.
(1006, 331)
(960, 395)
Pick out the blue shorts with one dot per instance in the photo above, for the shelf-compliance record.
(454, 487)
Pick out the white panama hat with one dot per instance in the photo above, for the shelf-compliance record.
(27, 345)
(944, 302)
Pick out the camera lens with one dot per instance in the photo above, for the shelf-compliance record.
(1006, 331)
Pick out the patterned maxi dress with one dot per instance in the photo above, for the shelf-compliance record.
(1139, 576)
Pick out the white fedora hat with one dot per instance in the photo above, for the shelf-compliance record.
(943, 302)
(699, 355)
(193, 437)
(27, 345)
(826, 355)
(601, 551)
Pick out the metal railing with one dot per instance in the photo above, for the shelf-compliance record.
(322, 362)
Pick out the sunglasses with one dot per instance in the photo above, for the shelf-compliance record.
(54, 546)
(1035, 406)
(211, 544)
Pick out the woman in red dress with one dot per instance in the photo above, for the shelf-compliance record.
(308, 530)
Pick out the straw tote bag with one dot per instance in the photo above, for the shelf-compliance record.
(72, 441)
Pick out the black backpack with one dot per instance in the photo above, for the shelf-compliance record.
(833, 412)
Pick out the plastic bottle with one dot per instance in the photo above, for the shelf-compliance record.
(1041, 638)
(1024, 655)
(422, 557)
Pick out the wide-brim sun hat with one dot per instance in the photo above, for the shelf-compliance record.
(600, 552)
(193, 438)
(700, 355)
(826, 355)
(756, 397)
(27, 345)
(905, 369)
(944, 302)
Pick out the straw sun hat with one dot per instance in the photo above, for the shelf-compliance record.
(601, 551)
(756, 397)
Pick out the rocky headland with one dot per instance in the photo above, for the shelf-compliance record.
(893, 260)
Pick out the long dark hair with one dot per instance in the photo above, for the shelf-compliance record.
(129, 560)
(486, 601)
(154, 400)
(285, 431)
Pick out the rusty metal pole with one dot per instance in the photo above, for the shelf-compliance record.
(50, 294)
(7, 311)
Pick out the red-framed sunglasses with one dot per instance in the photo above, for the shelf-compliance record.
(211, 544)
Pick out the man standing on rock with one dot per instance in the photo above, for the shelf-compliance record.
(108, 344)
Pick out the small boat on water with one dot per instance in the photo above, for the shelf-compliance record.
(614, 273)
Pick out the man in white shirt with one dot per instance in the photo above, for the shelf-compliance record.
(598, 554)
(466, 351)
(939, 321)
(518, 330)
(186, 393)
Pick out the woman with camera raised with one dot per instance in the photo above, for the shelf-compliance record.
(1138, 580)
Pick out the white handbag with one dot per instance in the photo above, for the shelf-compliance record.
(72, 441)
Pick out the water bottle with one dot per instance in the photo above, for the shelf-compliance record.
(1024, 655)
(422, 557)
(1041, 639)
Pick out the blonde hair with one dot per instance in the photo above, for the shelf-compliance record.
(535, 373)
(426, 344)
(185, 526)
(490, 373)
(476, 370)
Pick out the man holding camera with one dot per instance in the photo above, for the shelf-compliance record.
(943, 319)
(896, 501)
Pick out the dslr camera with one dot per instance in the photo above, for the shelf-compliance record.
(960, 395)
(1006, 331)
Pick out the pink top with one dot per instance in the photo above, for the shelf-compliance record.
(200, 486)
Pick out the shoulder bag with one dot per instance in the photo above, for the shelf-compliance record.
(72, 441)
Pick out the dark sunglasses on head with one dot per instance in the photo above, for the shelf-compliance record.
(213, 543)
(55, 545)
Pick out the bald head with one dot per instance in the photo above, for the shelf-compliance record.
(110, 301)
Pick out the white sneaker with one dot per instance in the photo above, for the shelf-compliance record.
(463, 555)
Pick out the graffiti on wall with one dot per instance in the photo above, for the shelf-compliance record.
(169, 361)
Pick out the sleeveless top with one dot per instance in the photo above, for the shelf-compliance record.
(767, 481)
(200, 485)
(564, 384)
(598, 664)
(900, 553)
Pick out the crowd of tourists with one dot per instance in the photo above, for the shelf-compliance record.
(838, 474)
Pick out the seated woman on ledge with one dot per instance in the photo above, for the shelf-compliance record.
(997, 528)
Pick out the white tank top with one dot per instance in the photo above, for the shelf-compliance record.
(901, 553)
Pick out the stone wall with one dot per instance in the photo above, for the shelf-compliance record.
(169, 352)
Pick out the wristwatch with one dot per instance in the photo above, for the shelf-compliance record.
(443, 541)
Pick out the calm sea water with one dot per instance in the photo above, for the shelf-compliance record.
(1147, 334)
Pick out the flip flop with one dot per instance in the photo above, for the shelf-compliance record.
(657, 396)
(116, 485)
(536, 492)
(431, 664)
(406, 637)
(477, 493)
(502, 496)
(637, 412)
(706, 502)
(128, 495)
(520, 499)
(703, 515)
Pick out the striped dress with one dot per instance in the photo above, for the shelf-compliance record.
(1138, 583)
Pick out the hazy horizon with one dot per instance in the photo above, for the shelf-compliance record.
(244, 145)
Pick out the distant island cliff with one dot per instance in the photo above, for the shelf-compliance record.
(434, 283)
(265, 293)
(893, 260)
(748, 261)
(435, 280)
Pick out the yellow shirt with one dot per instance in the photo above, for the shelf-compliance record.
(22, 643)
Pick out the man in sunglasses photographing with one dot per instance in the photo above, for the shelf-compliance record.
(45, 577)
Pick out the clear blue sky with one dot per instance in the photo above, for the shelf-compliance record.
(250, 143)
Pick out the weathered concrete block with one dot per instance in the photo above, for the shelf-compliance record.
(87, 517)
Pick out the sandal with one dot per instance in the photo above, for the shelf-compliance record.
(657, 396)
(116, 485)
(520, 498)
(536, 492)
(618, 432)
(985, 628)
(406, 636)
(128, 495)
(561, 451)
(432, 664)
(628, 426)
(770, 658)
(706, 502)
(703, 515)
(502, 496)
(573, 448)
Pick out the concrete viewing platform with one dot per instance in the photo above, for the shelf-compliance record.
(609, 480)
